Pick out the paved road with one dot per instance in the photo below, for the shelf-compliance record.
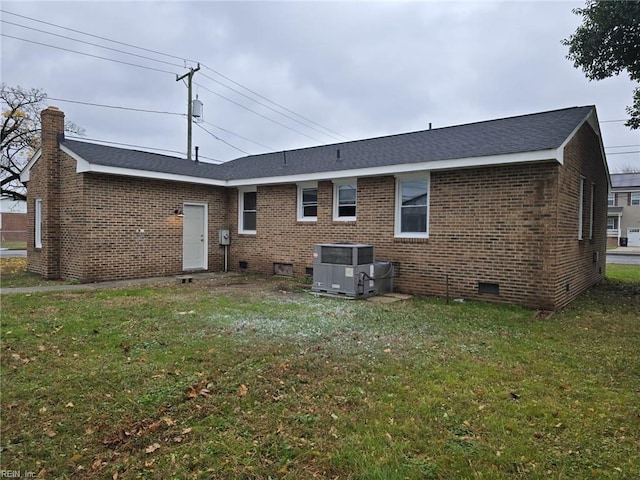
(12, 253)
(627, 259)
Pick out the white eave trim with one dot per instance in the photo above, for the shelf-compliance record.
(82, 166)
(24, 174)
(469, 162)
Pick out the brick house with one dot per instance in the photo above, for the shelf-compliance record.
(623, 219)
(511, 210)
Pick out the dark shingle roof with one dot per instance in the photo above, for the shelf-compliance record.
(138, 160)
(526, 133)
(622, 180)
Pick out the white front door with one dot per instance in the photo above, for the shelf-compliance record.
(633, 235)
(194, 237)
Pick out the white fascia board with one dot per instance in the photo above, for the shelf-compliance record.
(493, 160)
(592, 119)
(24, 174)
(82, 166)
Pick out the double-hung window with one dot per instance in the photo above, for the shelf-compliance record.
(307, 202)
(635, 198)
(412, 206)
(345, 193)
(580, 208)
(611, 200)
(247, 210)
(38, 221)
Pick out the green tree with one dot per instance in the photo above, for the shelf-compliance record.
(608, 43)
(20, 135)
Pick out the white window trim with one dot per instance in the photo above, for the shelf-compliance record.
(398, 207)
(611, 197)
(580, 208)
(592, 212)
(300, 214)
(241, 192)
(336, 185)
(38, 223)
(632, 199)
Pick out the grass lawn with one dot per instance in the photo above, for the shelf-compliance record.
(260, 379)
(14, 245)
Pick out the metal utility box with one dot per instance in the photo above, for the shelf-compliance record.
(223, 236)
(344, 269)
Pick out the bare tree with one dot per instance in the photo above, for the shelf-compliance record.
(20, 135)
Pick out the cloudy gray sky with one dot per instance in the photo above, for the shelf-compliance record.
(341, 69)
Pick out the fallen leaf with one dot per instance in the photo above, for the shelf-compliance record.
(186, 430)
(205, 393)
(192, 394)
(51, 433)
(177, 439)
(69, 405)
(168, 421)
(76, 457)
(152, 448)
(43, 410)
(387, 350)
(115, 476)
(243, 390)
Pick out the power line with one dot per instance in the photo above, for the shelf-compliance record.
(623, 153)
(98, 36)
(238, 135)
(143, 110)
(333, 133)
(115, 107)
(271, 101)
(273, 109)
(257, 113)
(88, 54)
(92, 44)
(222, 140)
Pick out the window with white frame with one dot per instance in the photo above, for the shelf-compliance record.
(592, 211)
(247, 210)
(412, 206)
(580, 208)
(611, 199)
(345, 194)
(635, 198)
(307, 202)
(612, 223)
(38, 222)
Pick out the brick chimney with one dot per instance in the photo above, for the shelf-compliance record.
(44, 189)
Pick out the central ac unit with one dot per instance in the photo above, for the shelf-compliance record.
(348, 269)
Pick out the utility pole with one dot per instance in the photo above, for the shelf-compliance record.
(189, 76)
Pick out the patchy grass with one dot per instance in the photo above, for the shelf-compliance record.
(263, 380)
(13, 245)
(13, 273)
(623, 273)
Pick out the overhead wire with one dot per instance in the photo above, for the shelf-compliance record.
(332, 132)
(88, 54)
(220, 139)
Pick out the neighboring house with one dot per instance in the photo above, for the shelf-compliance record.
(13, 220)
(623, 217)
(510, 210)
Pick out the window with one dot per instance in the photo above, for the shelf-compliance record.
(611, 200)
(580, 208)
(612, 223)
(412, 207)
(635, 198)
(591, 213)
(344, 200)
(308, 202)
(38, 229)
(247, 210)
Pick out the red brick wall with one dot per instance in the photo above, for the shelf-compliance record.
(14, 227)
(128, 228)
(574, 259)
(486, 225)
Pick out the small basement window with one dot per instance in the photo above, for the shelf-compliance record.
(491, 288)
